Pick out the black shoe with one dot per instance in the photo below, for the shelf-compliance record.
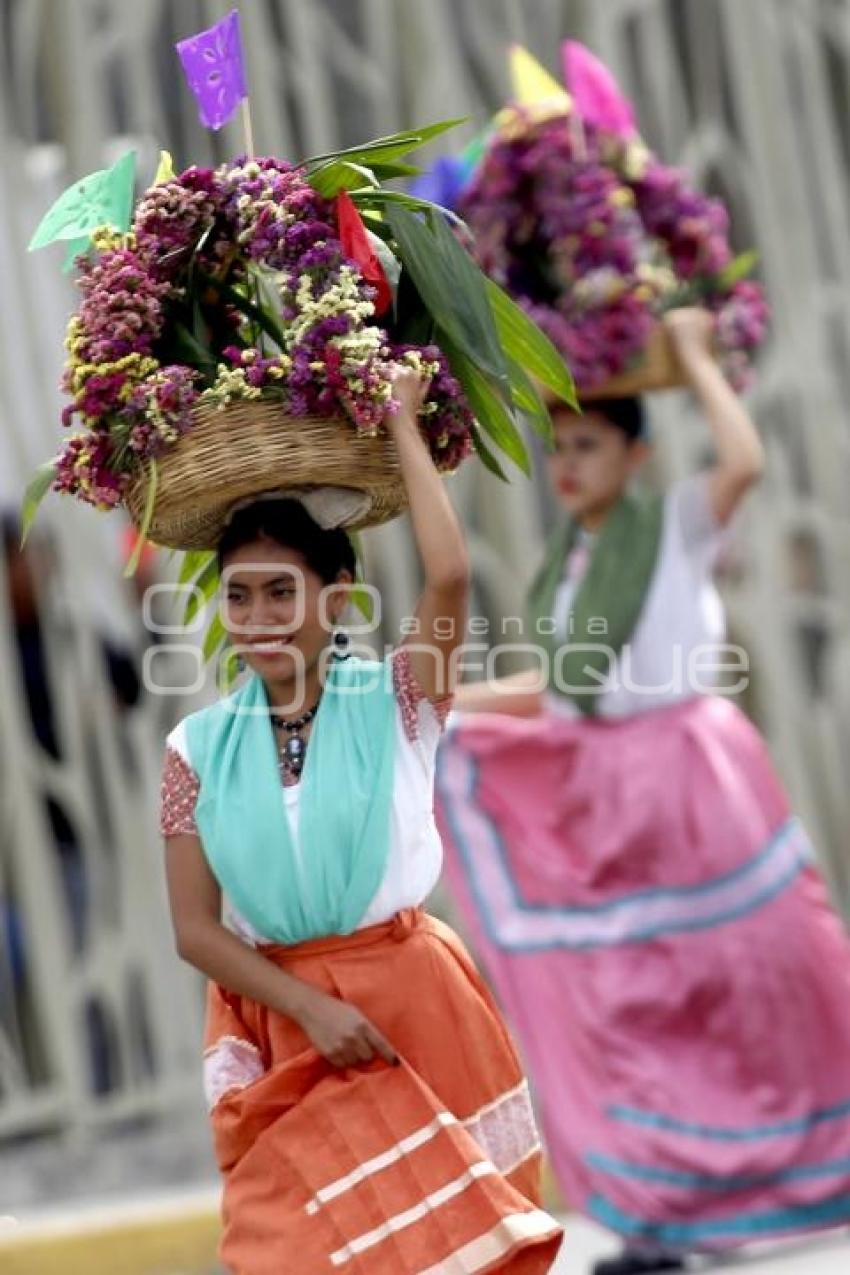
(630, 1262)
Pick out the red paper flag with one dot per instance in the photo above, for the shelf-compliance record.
(356, 246)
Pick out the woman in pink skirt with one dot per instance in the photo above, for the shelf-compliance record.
(644, 900)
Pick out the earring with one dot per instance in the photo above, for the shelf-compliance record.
(342, 644)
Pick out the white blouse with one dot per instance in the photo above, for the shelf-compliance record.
(415, 850)
(677, 644)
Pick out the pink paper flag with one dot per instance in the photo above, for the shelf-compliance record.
(595, 93)
(213, 63)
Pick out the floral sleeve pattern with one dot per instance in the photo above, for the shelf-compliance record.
(178, 796)
(410, 695)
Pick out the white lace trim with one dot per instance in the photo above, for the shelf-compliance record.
(506, 1130)
(231, 1063)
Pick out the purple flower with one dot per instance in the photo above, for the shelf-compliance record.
(85, 470)
(172, 216)
(448, 421)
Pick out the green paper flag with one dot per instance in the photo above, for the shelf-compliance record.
(473, 151)
(104, 198)
(75, 247)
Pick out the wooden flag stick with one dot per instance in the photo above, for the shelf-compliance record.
(579, 137)
(248, 127)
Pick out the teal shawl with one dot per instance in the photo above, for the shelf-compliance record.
(320, 883)
(614, 589)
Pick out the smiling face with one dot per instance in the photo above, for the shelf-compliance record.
(273, 610)
(592, 464)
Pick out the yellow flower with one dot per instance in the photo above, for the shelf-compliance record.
(136, 367)
(635, 160)
(107, 237)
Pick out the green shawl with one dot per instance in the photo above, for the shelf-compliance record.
(613, 591)
(322, 882)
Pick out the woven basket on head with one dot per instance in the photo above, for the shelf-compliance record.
(253, 447)
(659, 369)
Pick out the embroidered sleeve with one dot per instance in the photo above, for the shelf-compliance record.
(410, 695)
(178, 796)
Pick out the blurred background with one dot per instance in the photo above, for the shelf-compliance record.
(99, 1026)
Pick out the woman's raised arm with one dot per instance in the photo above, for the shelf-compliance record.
(441, 610)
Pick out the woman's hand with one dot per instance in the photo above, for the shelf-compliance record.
(409, 391)
(740, 455)
(342, 1034)
(691, 330)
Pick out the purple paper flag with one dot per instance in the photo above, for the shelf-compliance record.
(212, 61)
(442, 183)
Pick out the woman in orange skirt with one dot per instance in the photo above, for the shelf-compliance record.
(368, 1107)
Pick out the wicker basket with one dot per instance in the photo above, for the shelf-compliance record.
(253, 447)
(659, 369)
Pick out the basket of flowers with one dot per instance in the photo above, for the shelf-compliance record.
(240, 334)
(596, 238)
(239, 328)
(656, 367)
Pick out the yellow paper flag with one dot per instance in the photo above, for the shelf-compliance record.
(532, 84)
(165, 171)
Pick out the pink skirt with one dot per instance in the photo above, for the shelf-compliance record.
(649, 913)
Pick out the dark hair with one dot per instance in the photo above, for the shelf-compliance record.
(289, 524)
(627, 414)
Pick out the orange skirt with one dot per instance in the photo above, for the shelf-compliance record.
(429, 1167)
